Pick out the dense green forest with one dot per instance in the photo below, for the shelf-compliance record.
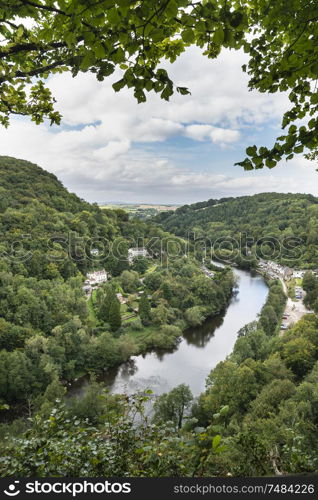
(258, 415)
(281, 227)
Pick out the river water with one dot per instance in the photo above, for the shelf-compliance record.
(199, 351)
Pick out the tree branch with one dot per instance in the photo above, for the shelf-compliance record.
(35, 72)
(23, 47)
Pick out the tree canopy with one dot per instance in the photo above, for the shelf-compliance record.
(279, 37)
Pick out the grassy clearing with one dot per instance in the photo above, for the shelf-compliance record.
(141, 336)
(129, 319)
(123, 308)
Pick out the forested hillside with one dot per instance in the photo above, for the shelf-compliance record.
(23, 182)
(258, 416)
(40, 215)
(282, 227)
(263, 399)
(49, 330)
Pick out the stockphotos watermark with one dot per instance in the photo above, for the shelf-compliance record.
(287, 487)
(71, 488)
(98, 250)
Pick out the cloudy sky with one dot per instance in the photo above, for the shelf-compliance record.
(109, 148)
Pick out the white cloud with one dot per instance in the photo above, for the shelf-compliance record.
(219, 98)
(111, 151)
(216, 134)
(198, 132)
(156, 129)
(221, 135)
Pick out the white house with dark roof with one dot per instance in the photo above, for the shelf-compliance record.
(97, 277)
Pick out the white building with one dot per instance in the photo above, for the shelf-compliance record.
(133, 253)
(97, 277)
(298, 274)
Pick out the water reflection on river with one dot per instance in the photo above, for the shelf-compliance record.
(200, 350)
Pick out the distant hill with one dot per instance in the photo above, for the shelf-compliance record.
(273, 216)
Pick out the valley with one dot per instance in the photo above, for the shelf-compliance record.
(218, 352)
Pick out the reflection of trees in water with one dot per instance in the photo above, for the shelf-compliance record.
(200, 336)
(235, 297)
(161, 353)
(123, 371)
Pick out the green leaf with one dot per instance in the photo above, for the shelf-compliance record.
(119, 56)
(20, 31)
(258, 161)
(171, 9)
(99, 50)
(87, 61)
(224, 410)
(117, 86)
(183, 91)
(229, 38)
(251, 151)
(312, 123)
(314, 68)
(270, 163)
(200, 27)
(113, 16)
(314, 98)
(140, 95)
(218, 36)
(166, 93)
(70, 38)
(246, 164)
(124, 3)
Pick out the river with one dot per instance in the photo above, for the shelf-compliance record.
(199, 351)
